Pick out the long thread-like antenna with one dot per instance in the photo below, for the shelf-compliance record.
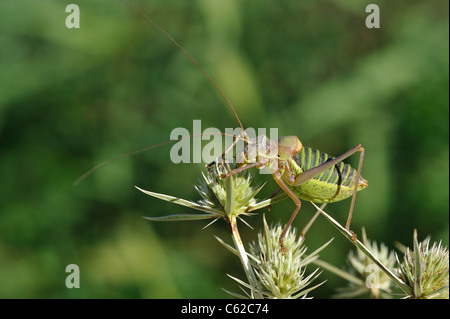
(243, 137)
(189, 57)
(89, 172)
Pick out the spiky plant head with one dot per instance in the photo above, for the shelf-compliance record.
(369, 278)
(282, 273)
(234, 199)
(425, 270)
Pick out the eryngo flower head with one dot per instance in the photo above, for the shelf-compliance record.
(222, 196)
(370, 279)
(425, 270)
(233, 195)
(282, 273)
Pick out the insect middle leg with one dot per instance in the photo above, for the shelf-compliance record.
(269, 208)
(298, 203)
(312, 220)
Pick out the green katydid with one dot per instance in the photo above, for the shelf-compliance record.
(301, 172)
(306, 173)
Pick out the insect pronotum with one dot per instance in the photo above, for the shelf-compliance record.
(301, 172)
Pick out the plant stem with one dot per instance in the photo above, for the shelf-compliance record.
(238, 241)
(244, 259)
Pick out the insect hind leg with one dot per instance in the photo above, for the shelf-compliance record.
(359, 149)
(311, 173)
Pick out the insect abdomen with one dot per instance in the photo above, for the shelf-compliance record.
(332, 185)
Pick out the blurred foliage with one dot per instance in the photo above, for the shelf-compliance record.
(72, 98)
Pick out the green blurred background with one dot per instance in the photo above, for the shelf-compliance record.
(72, 98)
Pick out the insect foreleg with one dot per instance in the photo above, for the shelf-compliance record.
(240, 169)
(220, 159)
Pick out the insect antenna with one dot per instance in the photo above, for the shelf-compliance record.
(190, 58)
(143, 149)
(243, 135)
